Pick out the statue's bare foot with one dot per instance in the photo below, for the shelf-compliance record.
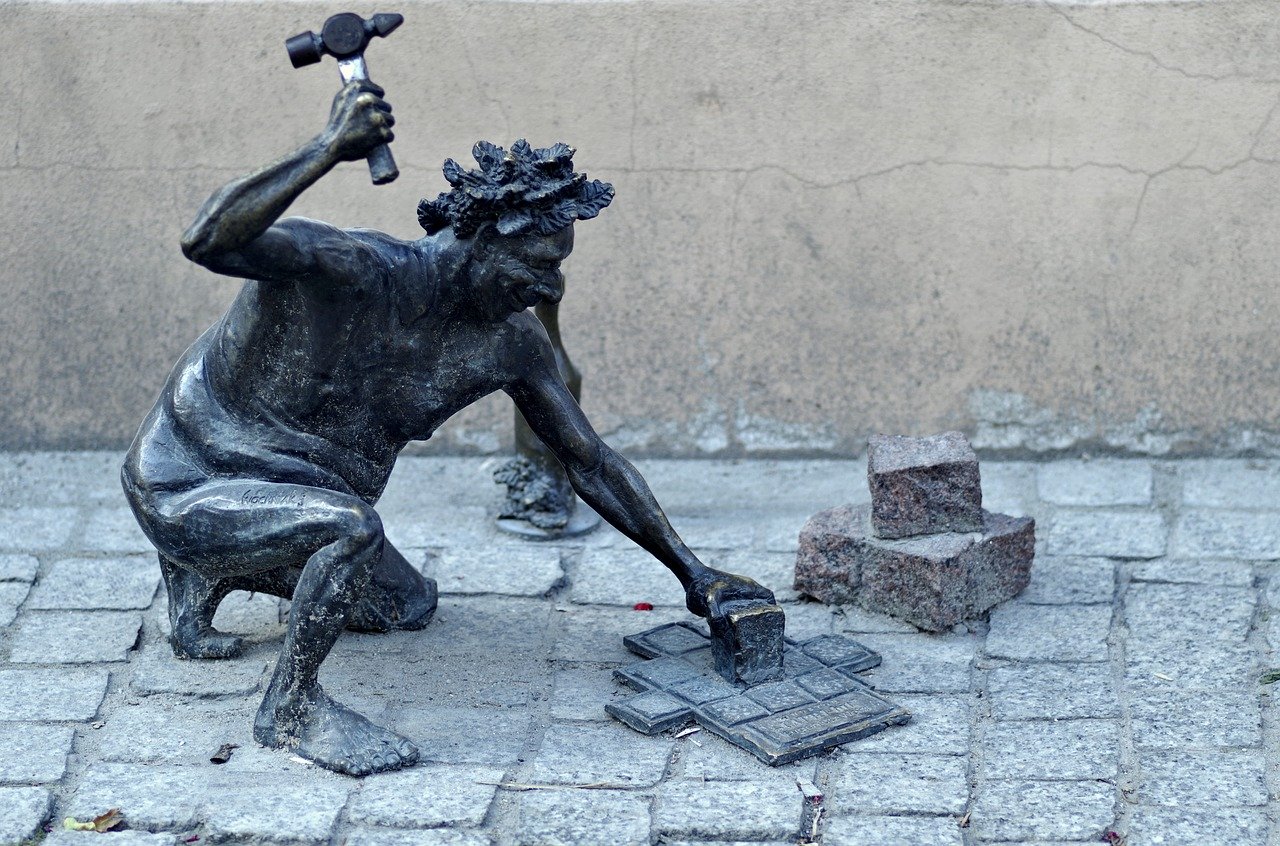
(335, 737)
(193, 642)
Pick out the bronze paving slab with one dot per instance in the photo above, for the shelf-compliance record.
(820, 703)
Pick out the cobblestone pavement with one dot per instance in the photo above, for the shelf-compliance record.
(1123, 692)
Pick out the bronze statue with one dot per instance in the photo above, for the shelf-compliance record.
(260, 465)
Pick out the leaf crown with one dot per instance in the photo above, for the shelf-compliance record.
(524, 189)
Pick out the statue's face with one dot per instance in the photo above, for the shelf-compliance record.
(519, 271)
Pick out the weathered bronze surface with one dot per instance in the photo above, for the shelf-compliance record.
(275, 434)
(820, 702)
(540, 503)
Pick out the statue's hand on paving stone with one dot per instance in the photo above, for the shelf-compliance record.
(277, 430)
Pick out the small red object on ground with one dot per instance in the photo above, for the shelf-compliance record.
(643, 606)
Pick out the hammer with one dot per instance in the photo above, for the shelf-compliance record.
(345, 36)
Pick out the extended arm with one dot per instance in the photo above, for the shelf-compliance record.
(235, 231)
(610, 485)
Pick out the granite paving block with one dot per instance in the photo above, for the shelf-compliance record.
(1042, 810)
(723, 531)
(921, 663)
(33, 754)
(1068, 580)
(1051, 749)
(75, 637)
(153, 797)
(1216, 483)
(426, 797)
(1177, 826)
(429, 837)
(1233, 671)
(932, 581)
(595, 635)
(1049, 632)
(606, 753)
(463, 735)
(1009, 487)
(923, 485)
(1052, 691)
(923, 580)
(1178, 718)
(530, 571)
(806, 619)
(580, 694)
(705, 757)
(830, 551)
(1124, 482)
(113, 530)
(120, 584)
(412, 528)
(1192, 571)
(1190, 660)
(254, 616)
(18, 568)
(63, 694)
(158, 670)
(939, 726)
(781, 533)
(863, 830)
(1113, 534)
(59, 478)
(898, 784)
(623, 577)
(571, 818)
(289, 812)
(36, 529)
(1205, 613)
(1247, 535)
(774, 570)
(1000, 564)
(855, 620)
(726, 811)
(146, 730)
(1209, 779)
(119, 837)
(23, 811)
(12, 595)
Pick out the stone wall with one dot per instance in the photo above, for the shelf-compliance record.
(1051, 225)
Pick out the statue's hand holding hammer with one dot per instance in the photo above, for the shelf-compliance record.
(359, 121)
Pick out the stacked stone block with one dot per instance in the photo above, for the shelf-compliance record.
(924, 550)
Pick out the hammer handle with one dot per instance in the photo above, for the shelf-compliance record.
(382, 165)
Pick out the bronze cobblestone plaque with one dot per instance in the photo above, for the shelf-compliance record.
(819, 704)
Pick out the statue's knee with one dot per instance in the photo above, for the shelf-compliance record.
(364, 527)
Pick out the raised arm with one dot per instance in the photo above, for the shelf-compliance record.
(611, 485)
(236, 232)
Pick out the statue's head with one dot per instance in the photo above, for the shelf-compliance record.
(520, 191)
(517, 213)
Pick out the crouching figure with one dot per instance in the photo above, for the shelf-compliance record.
(259, 466)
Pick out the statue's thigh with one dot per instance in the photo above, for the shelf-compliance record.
(234, 527)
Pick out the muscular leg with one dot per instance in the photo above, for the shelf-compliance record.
(230, 531)
(398, 597)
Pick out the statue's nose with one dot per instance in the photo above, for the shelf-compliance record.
(551, 286)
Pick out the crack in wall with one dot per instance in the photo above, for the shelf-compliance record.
(1152, 57)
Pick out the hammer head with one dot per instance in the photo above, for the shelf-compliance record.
(342, 36)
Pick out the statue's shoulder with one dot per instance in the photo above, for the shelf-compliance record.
(388, 246)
